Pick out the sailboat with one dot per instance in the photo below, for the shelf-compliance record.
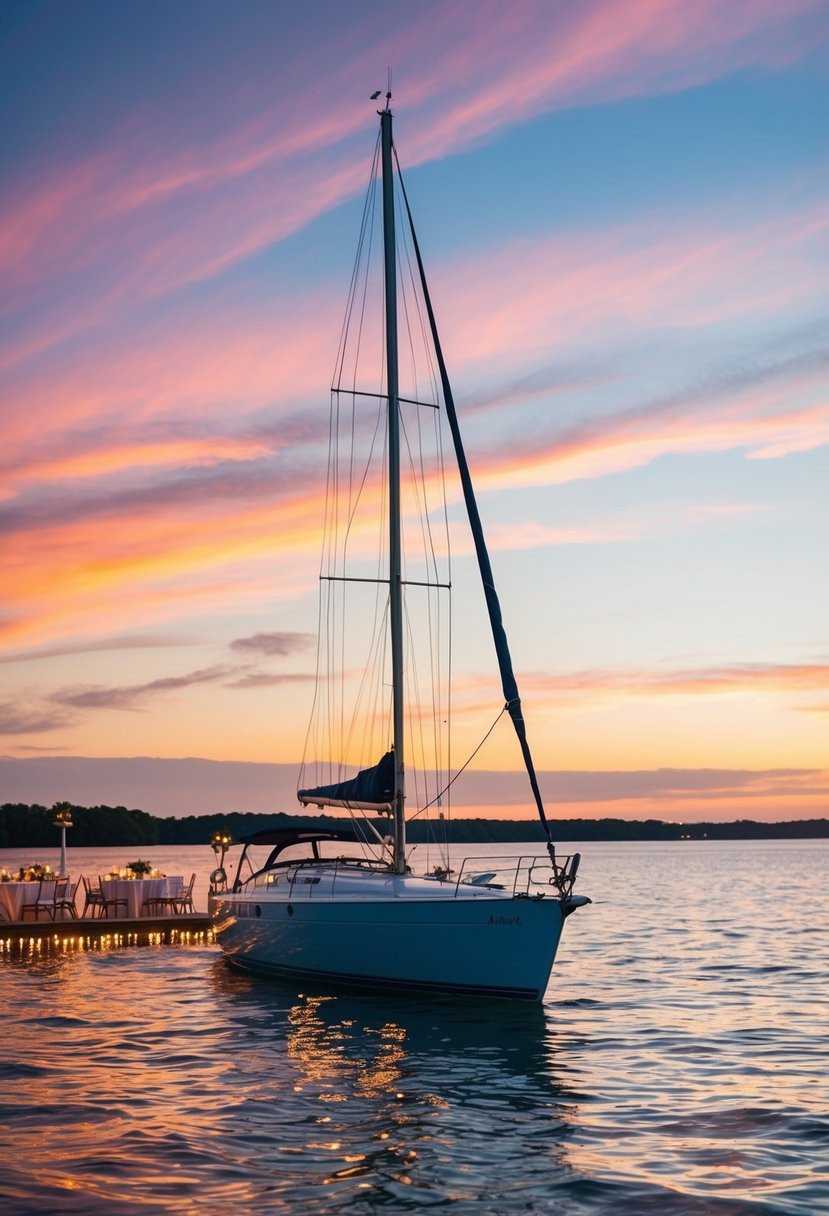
(344, 905)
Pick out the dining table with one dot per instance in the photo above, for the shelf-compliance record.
(14, 894)
(137, 891)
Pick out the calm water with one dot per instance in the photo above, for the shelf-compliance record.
(679, 1064)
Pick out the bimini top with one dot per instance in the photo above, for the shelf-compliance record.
(284, 837)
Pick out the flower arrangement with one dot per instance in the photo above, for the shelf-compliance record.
(135, 869)
(34, 873)
(5, 876)
(140, 868)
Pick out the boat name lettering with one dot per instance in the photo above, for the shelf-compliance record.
(505, 920)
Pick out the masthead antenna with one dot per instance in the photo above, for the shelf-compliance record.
(377, 93)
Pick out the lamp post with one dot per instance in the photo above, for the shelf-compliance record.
(220, 842)
(63, 820)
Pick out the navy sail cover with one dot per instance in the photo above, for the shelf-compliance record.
(372, 785)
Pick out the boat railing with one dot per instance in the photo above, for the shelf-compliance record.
(526, 873)
(301, 873)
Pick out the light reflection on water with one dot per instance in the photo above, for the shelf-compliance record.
(678, 1063)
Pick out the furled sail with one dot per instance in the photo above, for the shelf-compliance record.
(372, 789)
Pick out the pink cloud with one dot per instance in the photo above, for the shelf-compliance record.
(153, 216)
(195, 395)
(610, 447)
(560, 292)
(687, 272)
(522, 60)
(81, 559)
(219, 363)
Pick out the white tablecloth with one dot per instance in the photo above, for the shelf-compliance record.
(13, 895)
(136, 891)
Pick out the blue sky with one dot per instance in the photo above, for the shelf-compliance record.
(623, 213)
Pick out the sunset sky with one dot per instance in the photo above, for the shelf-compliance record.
(623, 208)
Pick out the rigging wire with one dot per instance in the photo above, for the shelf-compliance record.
(320, 725)
(422, 483)
(436, 393)
(465, 765)
(355, 493)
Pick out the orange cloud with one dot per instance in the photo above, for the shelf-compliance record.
(84, 572)
(605, 685)
(768, 424)
(89, 550)
(117, 458)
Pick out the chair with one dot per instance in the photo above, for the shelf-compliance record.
(64, 901)
(152, 904)
(44, 899)
(32, 904)
(93, 898)
(114, 902)
(182, 902)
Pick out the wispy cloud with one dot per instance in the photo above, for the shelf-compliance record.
(140, 696)
(180, 387)
(625, 528)
(601, 688)
(142, 215)
(517, 64)
(167, 343)
(134, 696)
(729, 680)
(30, 748)
(270, 644)
(187, 388)
(531, 534)
(764, 413)
(66, 552)
(691, 270)
(89, 646)
(261, 679)
(669, 784)
(18, 720)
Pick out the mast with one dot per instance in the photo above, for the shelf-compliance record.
(395, 555)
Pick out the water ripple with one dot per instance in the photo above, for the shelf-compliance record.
(678, 1065)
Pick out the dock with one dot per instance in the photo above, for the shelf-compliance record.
(21, 938)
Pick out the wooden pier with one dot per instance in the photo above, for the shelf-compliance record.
(101, 932)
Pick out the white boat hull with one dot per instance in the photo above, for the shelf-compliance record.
(422, 936)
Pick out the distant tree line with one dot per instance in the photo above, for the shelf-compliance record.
(34, 827)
